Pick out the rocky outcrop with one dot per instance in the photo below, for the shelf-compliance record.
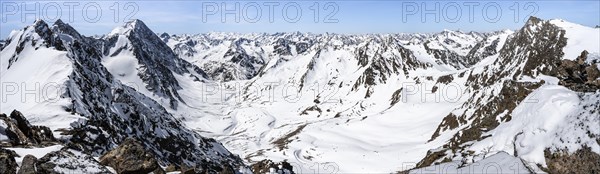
(268, 166)
(131, 157)
(8, 164)
(2, 44)
(28, 165)
(583, 160)
(11, 131)
(579, 75)
(69, 160)
(20, 132)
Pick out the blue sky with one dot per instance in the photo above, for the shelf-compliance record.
(356, 16)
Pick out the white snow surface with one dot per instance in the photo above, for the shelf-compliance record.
(37, 152)
(579, 38)
(34, 82)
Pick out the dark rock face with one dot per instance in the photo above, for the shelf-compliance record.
(12, 131)
(28, 165)
(2, 44)
(266, 165)
(158, 62)
(131, 157)
(396, 96)
(69, 161)
(381, 68)
(36, 134)
(8, 164)
(21, 132)
(241, 65)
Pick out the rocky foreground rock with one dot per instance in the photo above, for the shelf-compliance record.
(131, 157)
(19, 132)
(268, 166)
(579, 75)
(7, 161)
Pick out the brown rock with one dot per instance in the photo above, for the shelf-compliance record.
(57, 162)
(28, 165)
(131, 157)
(266, 165)
(592, 72)
(20, 132)
(7, 161)
(13, 132)
(189, 170)
(583, 160)
(171, 168)
(581, 59)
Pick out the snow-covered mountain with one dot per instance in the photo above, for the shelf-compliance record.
(94, 106)
(375, 103)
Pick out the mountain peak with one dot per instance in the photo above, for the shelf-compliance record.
(42, 29)
(64, 28)
(39, 22)
(533, 20)
(132, 25)
(59, 22)
(40, 26)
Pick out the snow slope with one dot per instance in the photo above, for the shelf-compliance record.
(579, 38)
(33, 80)
(500, 162)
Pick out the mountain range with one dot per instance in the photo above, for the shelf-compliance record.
(526, 101)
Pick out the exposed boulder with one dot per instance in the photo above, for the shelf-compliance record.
(583, 160)
(191, 170)
(593, 74)
(268, 166)
(36, 134)
(28, 165)
(10, 133)
(131, 157)
(578, 75)
(69, 161)
(18, 131)
(7, 161)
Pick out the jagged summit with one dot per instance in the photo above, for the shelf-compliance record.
(129, 26)
(38, 22)
(533, 20)
(59, 22)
